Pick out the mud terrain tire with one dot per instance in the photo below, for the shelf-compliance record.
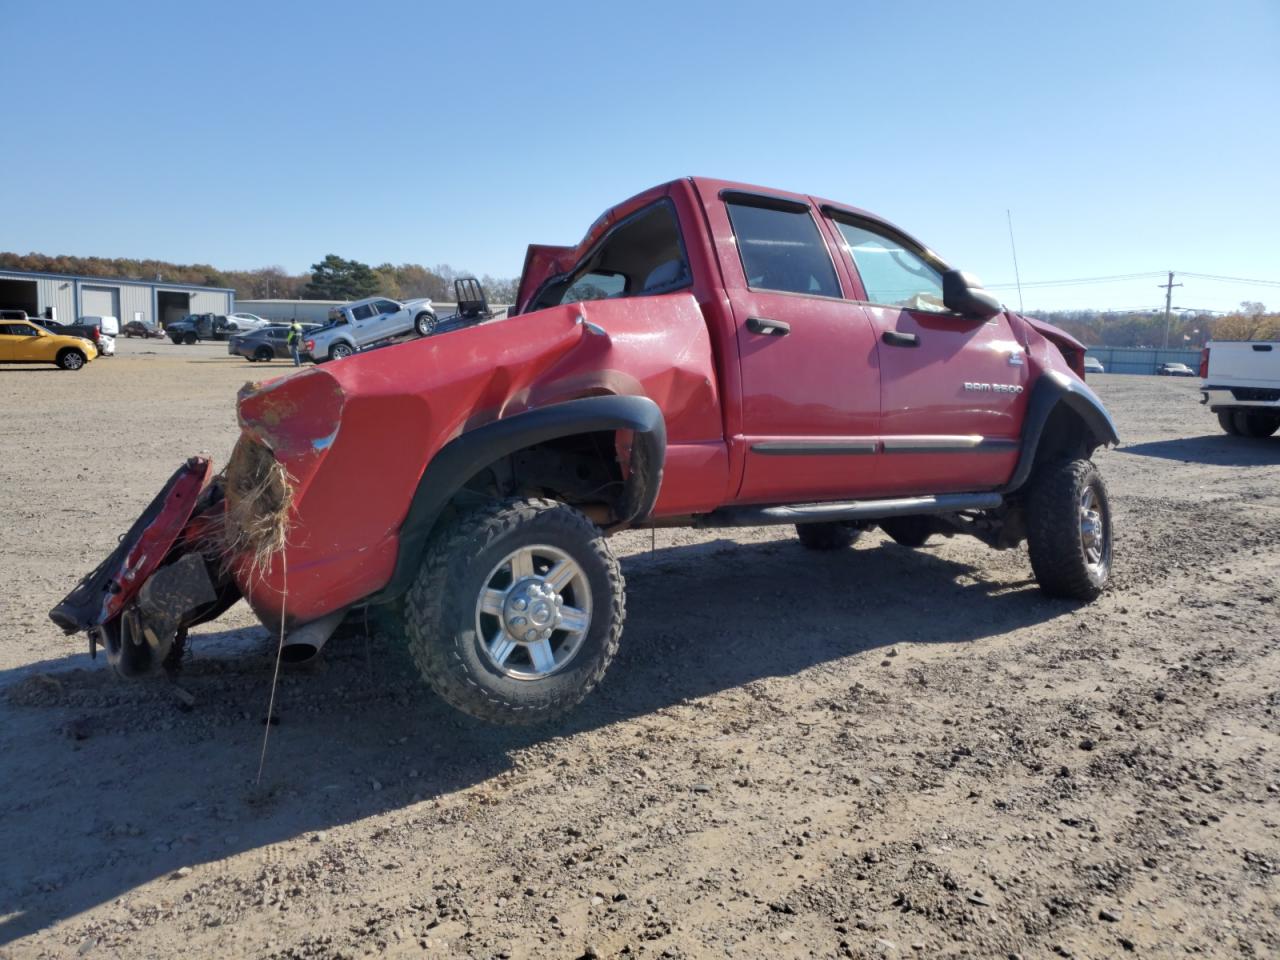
(827, 535)
(447, 632)
(1255, 425)
(908, 531)
(1069, 529)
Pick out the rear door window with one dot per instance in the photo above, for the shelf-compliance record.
(781, 249)
(363, 312)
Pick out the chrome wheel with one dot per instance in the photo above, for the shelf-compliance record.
(1093, 530)
(339, 351)
(533, 612)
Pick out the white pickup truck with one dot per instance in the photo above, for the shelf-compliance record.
(1241, 384)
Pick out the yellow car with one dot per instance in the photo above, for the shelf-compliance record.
(25, 342)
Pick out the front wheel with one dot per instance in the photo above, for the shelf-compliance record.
(1256, 425)
(516, 611)
(425, 324)
(71, 360)
(1069, 529)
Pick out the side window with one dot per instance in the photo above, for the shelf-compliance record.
(596, 286)
(363, 312)
(892, 274)
(387, 306)
(782, 250)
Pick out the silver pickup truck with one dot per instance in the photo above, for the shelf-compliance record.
(1240, 382)
(362, 322)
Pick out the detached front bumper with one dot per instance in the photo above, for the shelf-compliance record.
(158, 581)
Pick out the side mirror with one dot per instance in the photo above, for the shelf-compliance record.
(962, 293)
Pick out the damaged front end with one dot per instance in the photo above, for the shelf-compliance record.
(206, 541)
(164, 577)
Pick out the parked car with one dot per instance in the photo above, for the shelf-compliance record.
(106, 346)
(269, 343)
(22, 341)
(1174, 370)
(198, 326)
(85, 331)
(363, 322)
(710, 355)
(1241, 384)
(245, 322)
(136, 328)
(1093, 365)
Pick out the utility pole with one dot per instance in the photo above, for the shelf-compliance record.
(1168, 305)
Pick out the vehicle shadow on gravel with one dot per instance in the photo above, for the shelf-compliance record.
(1218, 449)
(111, 784)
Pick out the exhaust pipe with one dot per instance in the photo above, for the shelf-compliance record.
(303, 644)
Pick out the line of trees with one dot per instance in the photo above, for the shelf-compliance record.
(333, 278)
(1147, 329)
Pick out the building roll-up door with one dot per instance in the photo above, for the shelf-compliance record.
(99, 301)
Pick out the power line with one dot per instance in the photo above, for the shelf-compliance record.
(1081, 280)
(1213, 276)
(1121, 277)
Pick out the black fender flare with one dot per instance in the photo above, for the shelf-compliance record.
(1054, 388)
(466, 455)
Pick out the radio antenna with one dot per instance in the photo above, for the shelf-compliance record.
(1014, 248)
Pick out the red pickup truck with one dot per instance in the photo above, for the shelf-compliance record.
(710, 354)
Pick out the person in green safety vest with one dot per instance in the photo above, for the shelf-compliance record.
(294, 340)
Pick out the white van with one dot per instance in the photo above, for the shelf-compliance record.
(108, 325)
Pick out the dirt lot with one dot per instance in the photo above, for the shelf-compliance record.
(879, 752)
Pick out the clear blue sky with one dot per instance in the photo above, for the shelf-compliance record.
(1129, 136)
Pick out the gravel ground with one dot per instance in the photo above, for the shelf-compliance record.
(874, 753)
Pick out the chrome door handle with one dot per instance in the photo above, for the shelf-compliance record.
(770, 328)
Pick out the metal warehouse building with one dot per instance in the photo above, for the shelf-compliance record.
(66, 298)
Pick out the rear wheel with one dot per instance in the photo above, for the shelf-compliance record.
(1227, 421)
(1257, 425)
(827, 535)
(71, 359)
(425, 324)
(1069, 529)
(516, 611)
(263, 354)
(340, 350)
(908, 531)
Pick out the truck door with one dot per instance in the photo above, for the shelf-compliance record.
(952, 389)
(364, 324)
(810, 383)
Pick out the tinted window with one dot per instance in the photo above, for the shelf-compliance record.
(891, 273)
(387, 306)
(782, 250)
(363, 312)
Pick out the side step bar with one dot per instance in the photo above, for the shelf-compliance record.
(849, 510)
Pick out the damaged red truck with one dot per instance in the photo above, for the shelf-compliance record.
(709, 355)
